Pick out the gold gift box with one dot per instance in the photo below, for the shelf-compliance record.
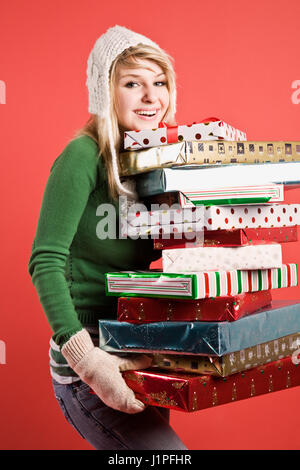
(229, 364)
(207, 153)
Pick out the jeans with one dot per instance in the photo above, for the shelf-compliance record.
(108, 429)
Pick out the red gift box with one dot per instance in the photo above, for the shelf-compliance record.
(146, 310)
(188, 392)
(240, 237)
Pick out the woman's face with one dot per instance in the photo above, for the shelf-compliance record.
(141, 96)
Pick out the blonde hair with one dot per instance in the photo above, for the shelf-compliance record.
(96, 127)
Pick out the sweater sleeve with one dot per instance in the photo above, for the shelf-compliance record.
(73, 177)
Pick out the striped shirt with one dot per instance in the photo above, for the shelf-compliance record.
(59, 368)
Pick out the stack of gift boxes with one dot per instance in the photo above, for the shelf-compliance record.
(214, 204)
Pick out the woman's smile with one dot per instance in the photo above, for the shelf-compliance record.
(147, 114)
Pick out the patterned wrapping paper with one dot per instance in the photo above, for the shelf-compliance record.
(218, 258)
(191, 178)
(133, 224)
(189, 392)
(148, 310)
(244, 217)
(206, 130)
(228, 218)
(230, 363)
(223, 238)
(204, 338)
(207, 153)
(199, 285)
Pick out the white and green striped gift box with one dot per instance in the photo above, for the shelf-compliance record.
(199, 285)
(271, 193)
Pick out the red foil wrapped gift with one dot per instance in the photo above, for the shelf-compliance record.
(145, 310)
(240, 237)
(188, 392)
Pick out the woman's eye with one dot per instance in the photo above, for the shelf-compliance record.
(135, 84)
(130, 84)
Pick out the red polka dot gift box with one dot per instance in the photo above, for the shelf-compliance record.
(226, 217)
(166, 224)
(208, 129)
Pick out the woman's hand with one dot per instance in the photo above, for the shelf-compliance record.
(102, 372)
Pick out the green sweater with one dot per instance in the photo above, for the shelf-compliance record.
(68, 261)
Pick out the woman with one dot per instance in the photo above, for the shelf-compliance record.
(131, 85)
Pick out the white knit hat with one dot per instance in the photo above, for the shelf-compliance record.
(107, 47)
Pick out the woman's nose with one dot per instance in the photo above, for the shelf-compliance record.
(149, 94)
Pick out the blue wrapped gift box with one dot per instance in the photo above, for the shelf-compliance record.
(205, 338)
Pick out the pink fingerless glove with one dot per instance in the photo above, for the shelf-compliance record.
(102, 371)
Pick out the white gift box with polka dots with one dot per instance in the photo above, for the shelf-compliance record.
(146, 223)
(222, 258)
(248, 216)
(214, 130)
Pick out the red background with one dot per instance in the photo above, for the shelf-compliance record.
(234, 59)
